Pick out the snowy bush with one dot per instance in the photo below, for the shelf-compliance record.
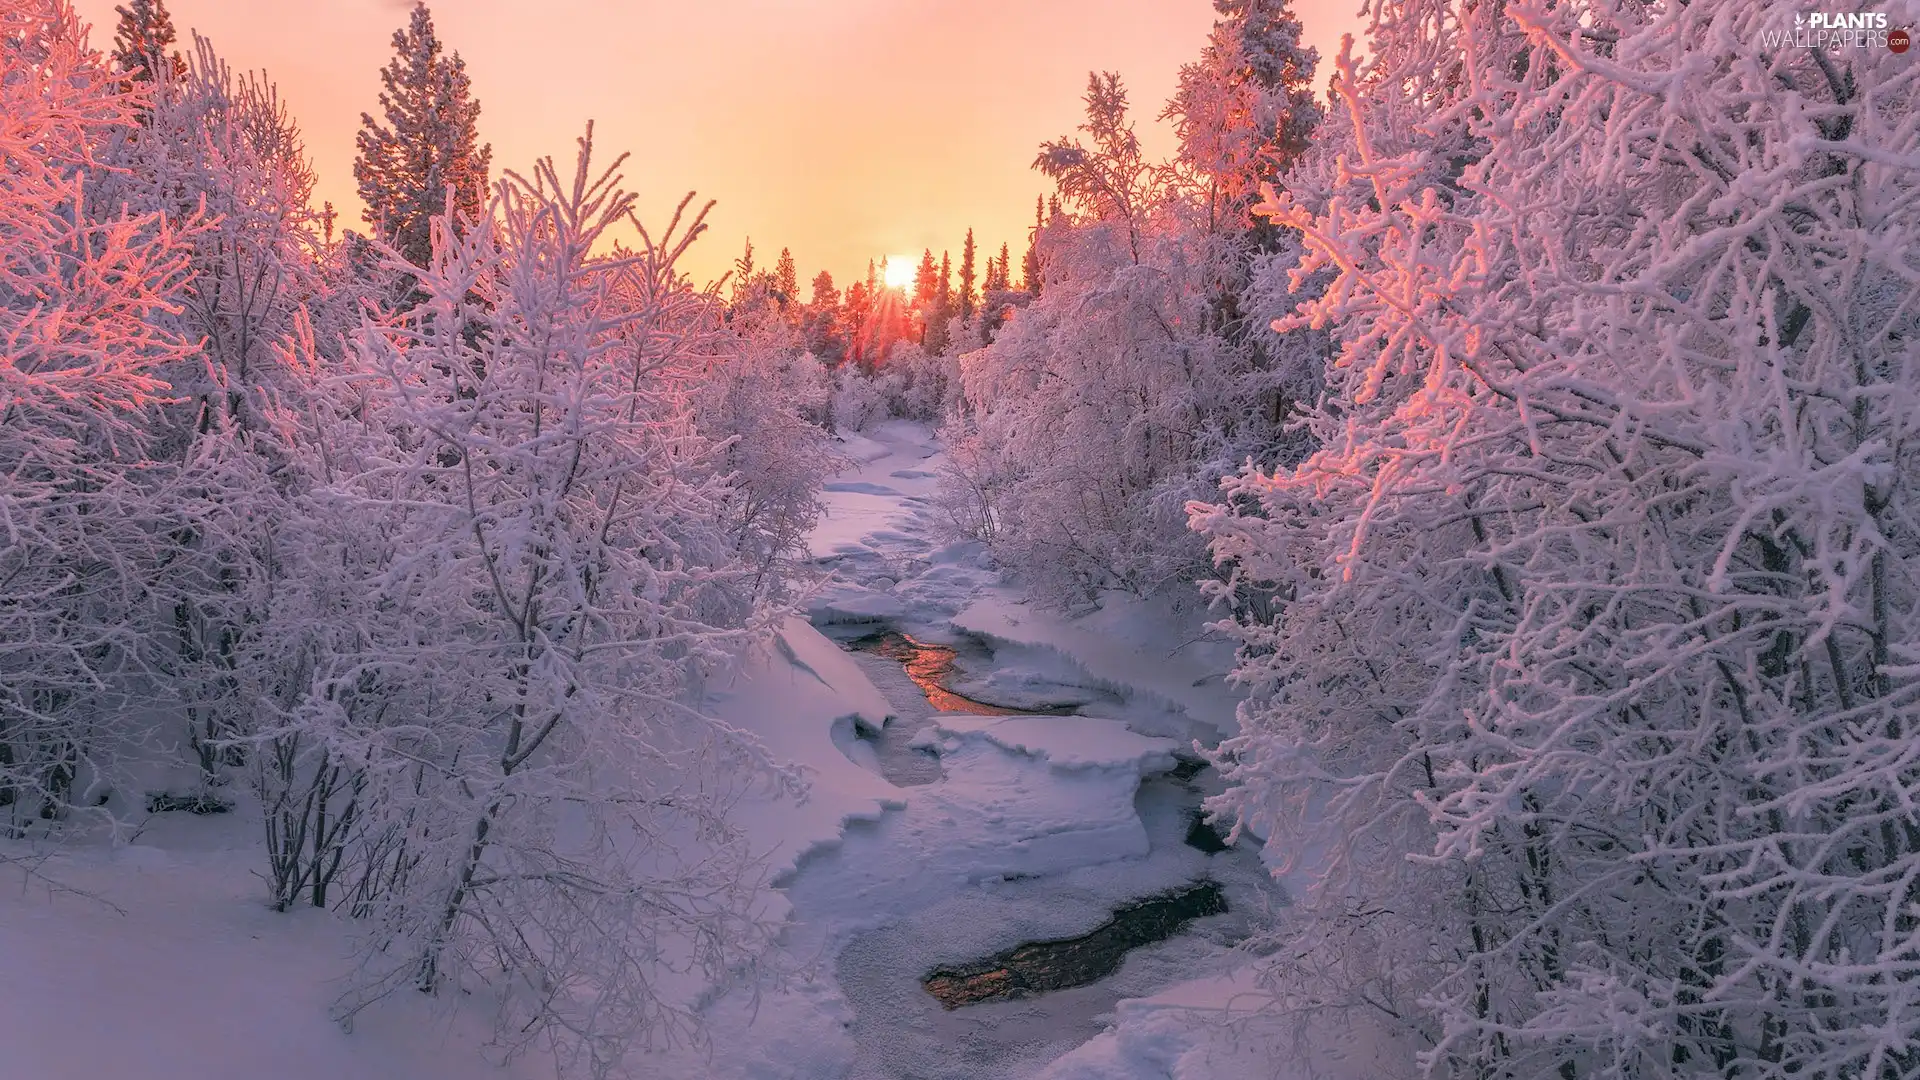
(517, 557)
(766, 401)
(914, 384)
(858, 402)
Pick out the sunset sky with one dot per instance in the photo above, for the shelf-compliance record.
(842, 129)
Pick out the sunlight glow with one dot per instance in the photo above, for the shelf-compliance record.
(898, 271)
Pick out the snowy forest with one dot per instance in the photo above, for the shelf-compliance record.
(1422, 581)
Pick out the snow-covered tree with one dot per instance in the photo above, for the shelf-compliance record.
(1110, 181)
(223, 146)
(1109, 401)
(1030, 273)
(546, 566)
(1587, 635)
(786, 278)
(1245, 110)
(83, 340)
(917, 383)
(423, 156)
(820, 322)
(967, 294)
(766, 403)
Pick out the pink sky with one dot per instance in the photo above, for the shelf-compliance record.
(842, 129)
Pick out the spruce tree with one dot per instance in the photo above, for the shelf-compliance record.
(1030, 262)
(743, 273)
(926, 281)
(966, 277)
(1245, 110)
(428, 146)
(935, 335)
(825, 294)
(143, 42)
(786, 277)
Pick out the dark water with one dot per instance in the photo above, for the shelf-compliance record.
(1042, 967)
(1202, 836)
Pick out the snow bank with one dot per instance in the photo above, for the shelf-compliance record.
(1000, 812)
(1129, 646)
(1225, 1028)
(1064, 742)
(1186, 1032)
(862, 450)
(1031, 833)
(802, 697)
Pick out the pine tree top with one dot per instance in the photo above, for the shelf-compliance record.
(425, 144)
(144, 40)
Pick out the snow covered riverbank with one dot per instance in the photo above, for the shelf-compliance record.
(1030, 828)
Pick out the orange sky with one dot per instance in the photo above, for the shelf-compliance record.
(843, 129)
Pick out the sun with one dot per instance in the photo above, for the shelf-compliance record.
(899, 271)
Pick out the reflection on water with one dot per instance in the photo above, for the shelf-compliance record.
(928, 665)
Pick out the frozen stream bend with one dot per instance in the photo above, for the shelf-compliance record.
(1025, 828)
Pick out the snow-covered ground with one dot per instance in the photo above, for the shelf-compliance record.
(159, 960)
(1031, 828)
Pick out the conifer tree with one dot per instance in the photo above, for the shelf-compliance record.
(966, 277)
(1030, 263)
(825, 294)
(426, 147)
(144, 41)
(821, 320)
(941, 310)
(857, 309)
(743, 272)
(786, 277)
(926, 281)
(1245, 109)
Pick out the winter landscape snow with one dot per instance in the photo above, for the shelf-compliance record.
(1037, 827)
(1406, 567)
